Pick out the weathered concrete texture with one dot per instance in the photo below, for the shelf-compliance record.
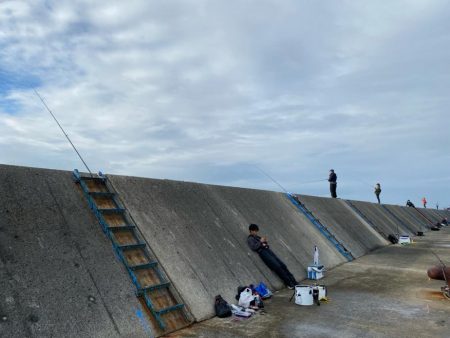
(198, 233)
(346, 225)
(383, 294)
(432, 214)
(405, 216)
(58, 273)
(420, 218)
(382, 220)
(444, 213)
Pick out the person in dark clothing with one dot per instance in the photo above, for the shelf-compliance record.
(378, 192)
(410, 204)
(333, 183)
(260, 245)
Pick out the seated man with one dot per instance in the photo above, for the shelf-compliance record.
(410, 204)
(260, 245)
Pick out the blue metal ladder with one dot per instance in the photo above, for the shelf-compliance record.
(322, 228)
(129, 246)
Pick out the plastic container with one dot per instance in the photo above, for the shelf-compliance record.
(304, 295)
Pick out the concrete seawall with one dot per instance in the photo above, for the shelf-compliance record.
(59, 275)
(407, 218)
(383, 222)
(350, 229)
(199, 234)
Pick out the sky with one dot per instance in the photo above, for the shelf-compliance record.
(231, 92)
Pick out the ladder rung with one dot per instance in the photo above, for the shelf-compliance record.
(156, 287)
(101, 194)
(93, 178)
(143, 266)
(131, 246)
(112, 211)
(169, 309)
(122, 228)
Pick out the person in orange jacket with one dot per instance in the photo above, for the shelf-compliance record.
(424, 202)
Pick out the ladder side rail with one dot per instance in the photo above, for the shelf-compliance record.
(324, 230)
(162, 275)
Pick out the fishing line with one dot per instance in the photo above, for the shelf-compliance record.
(62, 129)
(271, 178)
(315, 181)
(361, 181)
(443, 265)
(439, 259)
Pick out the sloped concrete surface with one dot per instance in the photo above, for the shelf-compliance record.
(381, 219)
(198, 232)
(58, 273)
(383, 294)
(356, 234)
(59, 276)
(432, 215)
(408, 219)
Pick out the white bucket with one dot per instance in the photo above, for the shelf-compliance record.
(322, 292)
(404, 239)
(304, 295)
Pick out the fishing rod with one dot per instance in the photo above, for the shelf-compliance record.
(442, 265)
(62, 129)
(271, 178)
(439, 259)
(277, 183)
(361, 181)
(315, 181)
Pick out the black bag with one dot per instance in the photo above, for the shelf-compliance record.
(222, 308)
(393, 239)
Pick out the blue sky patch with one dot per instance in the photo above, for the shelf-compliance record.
(10, 81)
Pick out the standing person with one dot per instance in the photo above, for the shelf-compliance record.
(437, 205)
(260, 245)
(424, 202)
(332, 178)
(378, 192)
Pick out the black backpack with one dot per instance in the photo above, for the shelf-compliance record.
(393, 239)
(222, 308)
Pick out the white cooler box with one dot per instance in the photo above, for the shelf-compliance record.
(315, 272)
(304, 294)
(404, 239)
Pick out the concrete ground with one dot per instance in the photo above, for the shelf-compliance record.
(384, 294)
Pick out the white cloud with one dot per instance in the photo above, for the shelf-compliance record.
(199, 91)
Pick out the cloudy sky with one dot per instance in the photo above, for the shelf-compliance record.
(210, 91)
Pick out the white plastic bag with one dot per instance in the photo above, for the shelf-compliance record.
(246, 297)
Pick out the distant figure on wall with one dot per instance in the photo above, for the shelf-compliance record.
(437, 206)
(424, 202)
(378, 192)
(333, 183)
(410, 204)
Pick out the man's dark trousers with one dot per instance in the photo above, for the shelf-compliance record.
(333, 190)
(277, 266)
